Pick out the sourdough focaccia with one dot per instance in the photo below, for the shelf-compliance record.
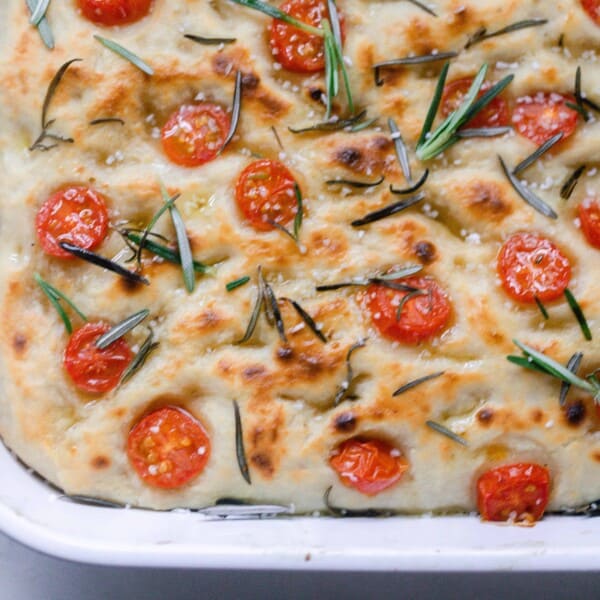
(288, 162)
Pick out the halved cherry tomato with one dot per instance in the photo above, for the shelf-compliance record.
(589, 215)
(411, 321)
(517, 493)
(92, 369)
(76, 215)
(543, 115)
(592, 8)
(194, 134)
(114, 12)
(495, 114)
(532, 266)
(265, 194)
(293, 48)
(168, 447)
(368, 465)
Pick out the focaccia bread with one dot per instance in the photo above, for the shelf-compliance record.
(314, 385)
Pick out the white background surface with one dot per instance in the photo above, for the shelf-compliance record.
(27, 575)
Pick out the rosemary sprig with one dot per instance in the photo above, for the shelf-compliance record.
(148, 230)
(401, 151)
(389, 280)
(39, 13)
(209, 41)
(412, 384)
(47, 123)
(120, 329)
(307, 319)
(407, 61)
(42, 25)
(412, 188)
(258, 305)
(482, 34)
(232, 285)
(345, 386)
(104, 120)
(573, 365)
(275, 13)
(578, 312)
(334, 124)
(239, 444)
(430, 144)
(483, 132)
(185, 250)
(579, 96)
(542, 308)
(140, 358)
(356, 184)
(569, 186)
(55, 296)
(407, 297)
(236, 108)
(527, 195)
(299, 211)
(400, 273)
(538, 153)
(447, 432)
(135, 60)
(272, 307)
(388, 211)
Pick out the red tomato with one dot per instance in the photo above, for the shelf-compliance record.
(420, 318)
(92, 369)
(75, 214)
(168, 447)
(293, 48)
(194, 134)
(540, 117)
(495, 114)
(114, 12)
(592, 8)
(368, 465)
(530, 265)
(589, 215)
(265, 194)
(516, 492)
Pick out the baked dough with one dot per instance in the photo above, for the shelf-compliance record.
(286, 393)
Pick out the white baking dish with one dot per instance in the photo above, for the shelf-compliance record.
(34, 514)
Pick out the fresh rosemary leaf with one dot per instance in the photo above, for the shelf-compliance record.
(413, 188)
(447, 432)
(40, 12)
(331, 71)
(272, 308)
(406, 298)
(400, 273)
(120, 329)
(140, 358)
(333, 124)
(527, 363)
(423, 6)
(579, 109)
(363, 125)
(335, 22)
(434, 106)
(338, 286)
(42, 26)
(126, 54)
(54, 296)
(483, 132)
(168, 202)
(481, 34)
(185, 251)
(538, 153)
(356, 184)
(412, 384)
(569, 186)
(574, 305)
(527, 195)
(275, 13)
(388, 211)
(579, 96)
(260, 299)
(401, 151)
(299, 211)
(347, 512)
(409, 61)
(209, 41)
(104, 120)
(340, 63)
(591, 104)
(542, 308)
(307, 319)
(236, 107)
(277, 138)
(239, 444)
(394, 285)
(232, 285)
(105, 263)
(345, 386)
(573, 366)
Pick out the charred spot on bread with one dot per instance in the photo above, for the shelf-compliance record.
(425, 251)
(345, 422)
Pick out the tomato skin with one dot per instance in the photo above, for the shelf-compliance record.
(495, 114)
(114, 12)
(294, 49)
(543, 115)
(195, 133)
(265, 194)
(368, 465)
(421, 318)
(517, 492)
(530, 265)
(592, 8)
(75, 214)
(91, 369)
(168, 448)
(589, 215)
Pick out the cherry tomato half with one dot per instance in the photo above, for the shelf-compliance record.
(589, 215)
(543, 115)
(495, 114)
(410, 321)
(194, 134)
(168, 447)
(517, 492)
(265, 194)
(294, 49)
(530, 265)
(592, 8)
(76, 215)
(368, 465)
(114, 12)
(92, 369)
